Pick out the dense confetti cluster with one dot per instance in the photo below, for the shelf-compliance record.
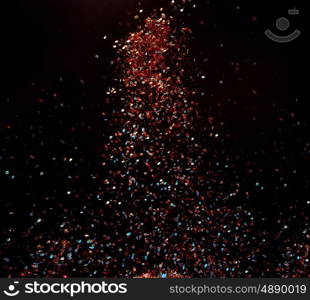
(167, 195)
(155, 181)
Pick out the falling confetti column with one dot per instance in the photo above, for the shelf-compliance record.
(169, 218)
(152, 155)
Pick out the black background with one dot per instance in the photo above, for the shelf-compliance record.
(51, 46)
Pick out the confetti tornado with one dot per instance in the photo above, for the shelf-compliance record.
(155, 182)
